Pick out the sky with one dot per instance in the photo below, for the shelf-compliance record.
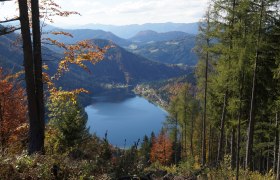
(123, 12)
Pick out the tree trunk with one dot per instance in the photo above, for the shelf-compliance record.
(276, 140)
(232, 149)
(29, 76)
(37, 127)
(250, 131)
(278, 161)
(176, 136)
(239, 124)
(226, 144)
(222, 128)
(201, 139)
(203, 161)
(210, 145)
(182, 154)
(191, 138)
(185, 143)
(267, 160)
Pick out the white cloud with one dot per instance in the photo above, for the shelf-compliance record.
(128, 11)
(134, 7)
(8, 9)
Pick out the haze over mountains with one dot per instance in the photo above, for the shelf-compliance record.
(127, 31)
(173, 47)
(149, 35)
(144, 57)
(118, 67)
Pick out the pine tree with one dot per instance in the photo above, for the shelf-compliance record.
(145, 150)
(68, 117)
(202, 48)
(233, 32)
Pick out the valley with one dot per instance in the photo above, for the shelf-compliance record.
(119, 67)
(139, 89)
(128, 66)
(171, 47)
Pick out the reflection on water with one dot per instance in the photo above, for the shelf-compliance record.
(124, 115)
(113, 95)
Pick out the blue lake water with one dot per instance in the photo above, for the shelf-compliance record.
(124, 117)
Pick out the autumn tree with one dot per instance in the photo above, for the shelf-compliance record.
(162, 149)
(182, 110)
(30, 13)
(13, 117)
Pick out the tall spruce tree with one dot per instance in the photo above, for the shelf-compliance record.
(202, 48)
(68, 118)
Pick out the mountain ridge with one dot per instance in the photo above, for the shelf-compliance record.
(128, 31)
(118, 66)
(173, 47)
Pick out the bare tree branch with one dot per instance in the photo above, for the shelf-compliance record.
(9, 20)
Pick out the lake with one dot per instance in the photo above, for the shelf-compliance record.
(125, 116)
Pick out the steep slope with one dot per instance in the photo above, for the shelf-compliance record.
(119, 66)
(176, 51)
(173, 47)
(10, 55)
(82, 34)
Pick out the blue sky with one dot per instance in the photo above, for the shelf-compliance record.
(121, 12)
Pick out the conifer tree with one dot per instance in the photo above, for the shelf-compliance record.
(68, 118)
(145, 150)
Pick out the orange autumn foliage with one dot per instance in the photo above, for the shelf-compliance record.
(13, 117)
(162, 149)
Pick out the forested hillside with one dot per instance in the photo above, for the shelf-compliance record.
(9, 53)
(223, 115)
(230, 117)
(173, 51)
(82, 34)
(173, 47)
(118, 66)
(150, 36)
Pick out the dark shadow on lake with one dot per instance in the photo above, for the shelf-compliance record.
(113, 95)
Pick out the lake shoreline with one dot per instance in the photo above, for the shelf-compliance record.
(125, 116)
(151, 95)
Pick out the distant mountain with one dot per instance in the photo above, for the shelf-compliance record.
(11, 59)
(152, 36)
(128, 31)
(10, 55)
(176, 51)
(121, 66)
(82, 34)
(118, 67)
(173, 47)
